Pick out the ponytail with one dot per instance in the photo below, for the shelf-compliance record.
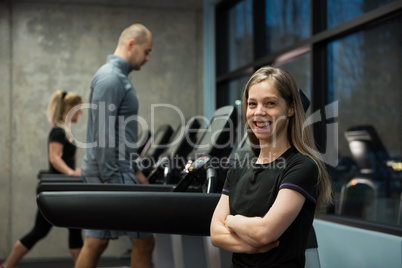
(58, 103)
(55, 109)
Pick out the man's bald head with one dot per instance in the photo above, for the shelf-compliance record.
(138, 32)
(135, 45)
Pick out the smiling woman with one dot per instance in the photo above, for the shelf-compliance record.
(266, 210)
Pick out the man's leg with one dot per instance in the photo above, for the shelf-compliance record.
(91, 252)
(141, 252)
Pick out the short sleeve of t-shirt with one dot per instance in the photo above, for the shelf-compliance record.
(57, 135)
(226, 185)
(301, 175)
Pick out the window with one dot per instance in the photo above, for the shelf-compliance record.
(240, 35)
(232, 91)
(344, 51)
(287, 23)
(364, 76)
(340, 11)
(299, 67)
(235, 40)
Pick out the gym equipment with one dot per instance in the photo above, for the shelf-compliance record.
(49, 178)
(371, 179)
(156, 212)
(159, 143)
(216, 142)
(368, 151)
(356, 195)
(211, 153)
(145, 139)
(219, 136)
(93, 187)
(180, 213)
(172, 161)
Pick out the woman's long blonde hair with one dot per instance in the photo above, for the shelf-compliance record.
(299, 136)
(58, 103)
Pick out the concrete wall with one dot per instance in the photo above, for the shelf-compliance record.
(5, 129)
(50, 45)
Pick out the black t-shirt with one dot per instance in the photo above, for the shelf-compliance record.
(252, 189)
(58, 134)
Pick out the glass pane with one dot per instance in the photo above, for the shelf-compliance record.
(365, 77)
(231, 92)
(287, 22)
(340, 11)
(299, 68)
(240, 35)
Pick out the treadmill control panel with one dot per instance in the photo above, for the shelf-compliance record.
(199, 163)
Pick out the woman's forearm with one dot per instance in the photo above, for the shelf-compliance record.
(252, 230)
(61, 166)
(223, 238)
(258, 231)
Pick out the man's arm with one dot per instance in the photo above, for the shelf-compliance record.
(141, 177)
(107, 95)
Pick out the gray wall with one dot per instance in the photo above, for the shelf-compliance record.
(50, 45)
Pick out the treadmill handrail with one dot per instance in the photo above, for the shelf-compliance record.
(156, 212)
(90, 187)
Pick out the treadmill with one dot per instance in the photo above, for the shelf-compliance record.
(145, 210)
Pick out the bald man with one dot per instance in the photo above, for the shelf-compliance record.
(111, 136)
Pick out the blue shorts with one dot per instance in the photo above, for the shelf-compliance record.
(126, 178)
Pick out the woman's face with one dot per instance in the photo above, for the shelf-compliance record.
(77, 113)
(267, 112)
